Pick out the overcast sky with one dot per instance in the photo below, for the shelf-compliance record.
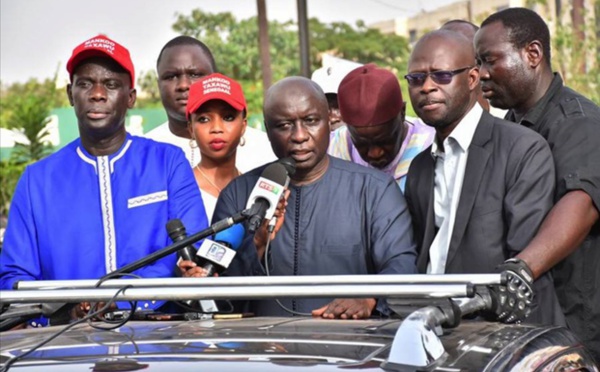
(37, 36)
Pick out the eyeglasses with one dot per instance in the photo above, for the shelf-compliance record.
(416, 79)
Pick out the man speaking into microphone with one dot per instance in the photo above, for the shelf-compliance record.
(337, 218)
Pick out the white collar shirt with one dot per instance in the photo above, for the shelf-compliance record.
(450, 165)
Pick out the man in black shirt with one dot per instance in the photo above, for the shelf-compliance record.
(513, 51)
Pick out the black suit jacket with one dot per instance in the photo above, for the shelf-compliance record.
(507, 191)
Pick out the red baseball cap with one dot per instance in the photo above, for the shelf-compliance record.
(101, 46)
(215, 86)
(369, 96)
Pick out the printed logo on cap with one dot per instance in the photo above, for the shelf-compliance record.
(216, 85)
(100, 43)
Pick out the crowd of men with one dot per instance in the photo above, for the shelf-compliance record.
(456, 190)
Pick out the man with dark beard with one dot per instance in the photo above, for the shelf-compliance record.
(480, 192)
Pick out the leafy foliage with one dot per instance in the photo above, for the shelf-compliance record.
(26, 107)
(11, 94)
(575, 59)
(9, 176)
(235, 46)
(30, 114)
(571, 55)
(359, 43)
(235, 43)
(148, 94)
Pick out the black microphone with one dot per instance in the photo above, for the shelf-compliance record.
(266, 194)
(290, 167)
(289, 164)
(56, 311)
(177, 232)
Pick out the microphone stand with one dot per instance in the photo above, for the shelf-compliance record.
(211, 230)
(14, 316)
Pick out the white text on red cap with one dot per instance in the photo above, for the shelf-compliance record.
(216, 84)
(108, 45)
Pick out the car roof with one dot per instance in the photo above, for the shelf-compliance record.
(429, 335)
(262, 343)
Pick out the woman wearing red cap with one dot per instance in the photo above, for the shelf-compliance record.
(216, 113)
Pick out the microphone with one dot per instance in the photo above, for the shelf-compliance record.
(216, 256)
(266, 193)
(290, 167)
(289, 164)
(177, 232)
(231, 237)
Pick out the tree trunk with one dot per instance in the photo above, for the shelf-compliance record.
(303, 36)
(263, 44)
(578, 23)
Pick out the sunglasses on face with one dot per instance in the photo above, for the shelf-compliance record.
(416, 79)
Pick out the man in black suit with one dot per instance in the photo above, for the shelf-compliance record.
(480, 192)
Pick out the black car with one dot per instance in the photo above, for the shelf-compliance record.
(429, 336)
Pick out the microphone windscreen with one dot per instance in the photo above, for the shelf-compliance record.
(233, 236)
(175, 228)
(289, 164)
(275, 172)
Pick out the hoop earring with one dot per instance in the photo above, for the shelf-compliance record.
(242, 141)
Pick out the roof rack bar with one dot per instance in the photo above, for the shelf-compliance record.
(238, 292)
(476, 279)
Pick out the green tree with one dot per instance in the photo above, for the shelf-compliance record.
(235, 43)
(235, 46)
(30, 114)
(358, 43)
(26, 107)
(576, 58)
(575, 51)
(11, 94)
(9, 175)
(148, 93)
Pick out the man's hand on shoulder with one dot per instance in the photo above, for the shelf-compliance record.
(513, 301)
(347, 308)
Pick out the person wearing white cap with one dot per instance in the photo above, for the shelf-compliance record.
(329, 79)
